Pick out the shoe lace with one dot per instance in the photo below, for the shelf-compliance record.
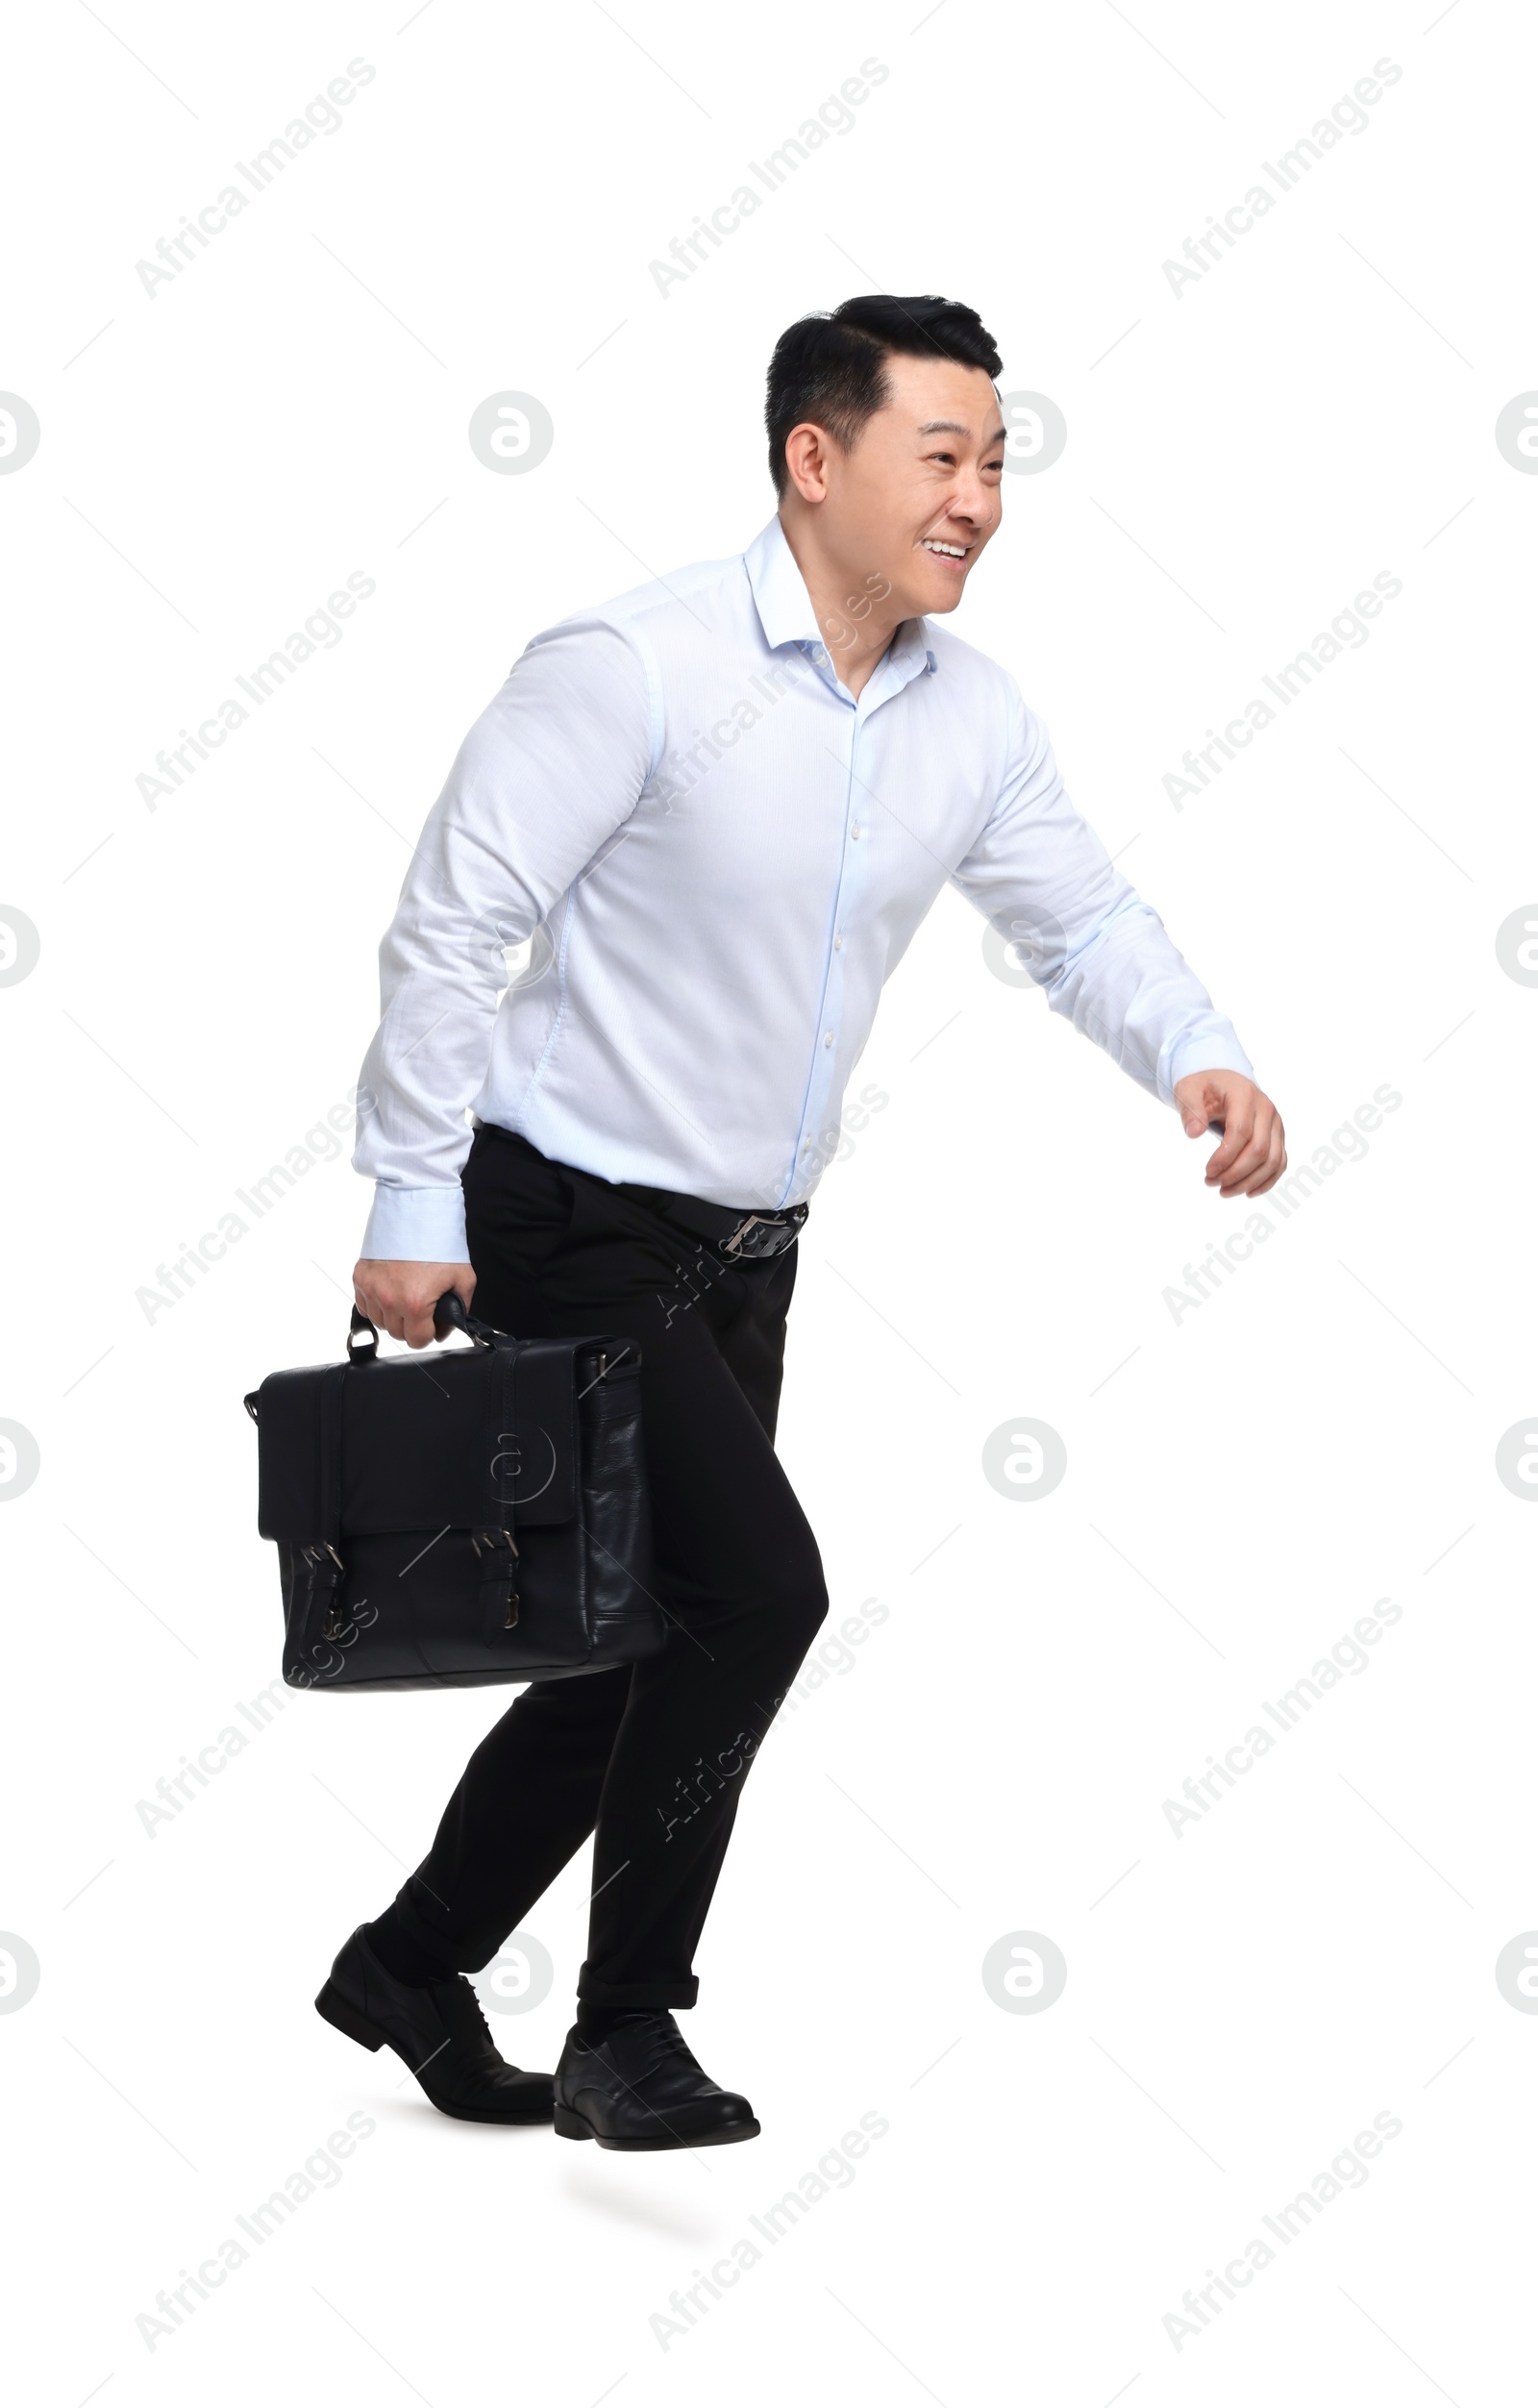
(463, 2015)
(665, 2040)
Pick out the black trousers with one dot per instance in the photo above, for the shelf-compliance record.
(650, 1759)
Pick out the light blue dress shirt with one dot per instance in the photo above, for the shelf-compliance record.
(721, 857)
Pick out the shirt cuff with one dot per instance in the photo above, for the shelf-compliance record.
(416, 1225)
(1212, 1052)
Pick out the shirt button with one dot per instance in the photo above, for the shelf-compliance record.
(829, 1038)
(820, 656)
(838, 942)
(855, 831)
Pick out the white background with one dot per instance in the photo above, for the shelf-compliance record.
(1244, 1481)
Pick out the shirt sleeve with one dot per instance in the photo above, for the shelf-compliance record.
(550, 770)
(1040, 874)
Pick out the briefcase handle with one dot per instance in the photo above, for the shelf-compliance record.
(448, 1313)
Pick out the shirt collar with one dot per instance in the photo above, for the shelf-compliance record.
(786, 610)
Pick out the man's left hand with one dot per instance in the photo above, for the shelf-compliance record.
(1253, 1153)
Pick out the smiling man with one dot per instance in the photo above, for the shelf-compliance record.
(720, 805)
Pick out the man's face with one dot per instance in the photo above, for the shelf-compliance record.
(920, 494)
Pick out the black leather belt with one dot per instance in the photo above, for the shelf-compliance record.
(740, 1236)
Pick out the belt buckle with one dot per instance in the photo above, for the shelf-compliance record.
(741, 1243)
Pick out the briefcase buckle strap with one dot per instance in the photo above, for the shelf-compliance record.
(489, 1544)
(484, 1540)
(326, 1579)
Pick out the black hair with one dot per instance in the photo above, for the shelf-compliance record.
(831, 367)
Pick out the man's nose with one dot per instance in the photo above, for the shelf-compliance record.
(973, 501)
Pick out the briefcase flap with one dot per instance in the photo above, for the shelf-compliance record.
(419, 1435)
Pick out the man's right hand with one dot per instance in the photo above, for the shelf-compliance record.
(399, 1297)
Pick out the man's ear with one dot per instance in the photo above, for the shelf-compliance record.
(805, 461)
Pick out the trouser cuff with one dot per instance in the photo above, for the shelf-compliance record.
(629, 1997)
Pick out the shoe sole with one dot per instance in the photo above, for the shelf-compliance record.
(571, 2126)
(341, 2012)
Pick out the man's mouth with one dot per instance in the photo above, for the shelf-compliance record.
(953, 553)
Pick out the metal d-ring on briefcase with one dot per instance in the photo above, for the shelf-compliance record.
(444, 1520)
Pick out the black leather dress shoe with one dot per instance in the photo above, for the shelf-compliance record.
(437, 2032)
(643, 2088)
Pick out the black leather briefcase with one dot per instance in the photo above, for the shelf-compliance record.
(447, 1519)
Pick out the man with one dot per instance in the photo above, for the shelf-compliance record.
(720, 805)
